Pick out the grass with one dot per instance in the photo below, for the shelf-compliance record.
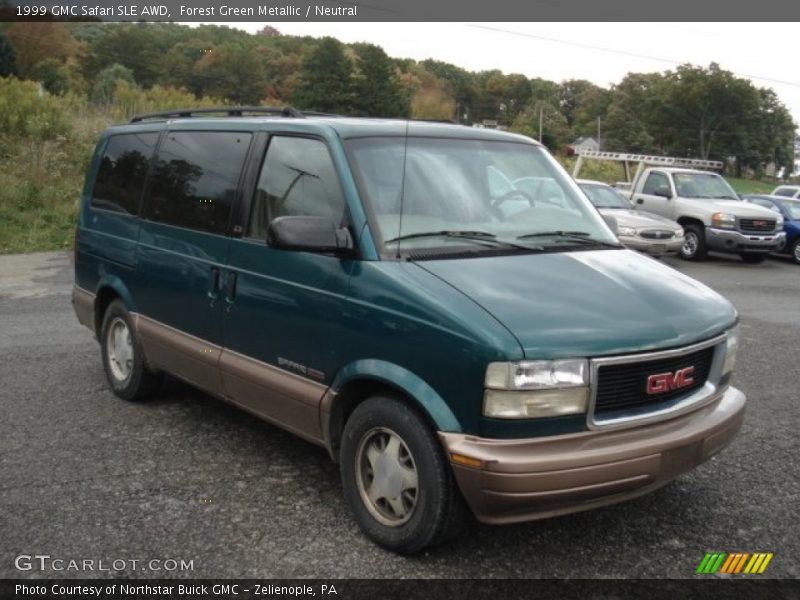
(751, 186)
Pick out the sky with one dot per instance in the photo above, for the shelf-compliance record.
(599, 52)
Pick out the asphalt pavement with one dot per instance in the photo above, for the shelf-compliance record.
(184, 477)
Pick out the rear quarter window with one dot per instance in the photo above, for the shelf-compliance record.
(122, 172)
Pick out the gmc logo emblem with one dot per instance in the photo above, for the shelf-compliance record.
(760, 223)
(665, 382)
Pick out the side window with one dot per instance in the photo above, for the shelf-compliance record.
(297, 179)
(655, 181)
(123, 169)
(195, 179)
(787, 192)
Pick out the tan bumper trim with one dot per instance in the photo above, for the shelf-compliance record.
(542, 477)
(83, 303)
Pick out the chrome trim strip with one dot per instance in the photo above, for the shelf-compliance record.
(710, 392)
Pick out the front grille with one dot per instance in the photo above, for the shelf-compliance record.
(657, 234)
(757, 225)
(624, 386)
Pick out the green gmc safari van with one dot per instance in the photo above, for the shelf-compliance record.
(412, 297)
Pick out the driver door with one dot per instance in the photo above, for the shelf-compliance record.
(653, 197)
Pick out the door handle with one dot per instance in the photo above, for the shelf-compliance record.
(230, 289)
(213, 292)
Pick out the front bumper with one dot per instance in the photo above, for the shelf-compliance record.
(522, 480)
(653, 247)
(728, 240)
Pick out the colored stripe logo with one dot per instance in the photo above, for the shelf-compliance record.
(734, 563)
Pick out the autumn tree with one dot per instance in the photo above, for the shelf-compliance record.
(35, 42)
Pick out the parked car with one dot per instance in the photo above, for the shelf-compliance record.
(789, 209)
(638, 230)
(359, 283)
(787, 191)
(702, 202)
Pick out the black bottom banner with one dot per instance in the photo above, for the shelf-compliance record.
(391, 589)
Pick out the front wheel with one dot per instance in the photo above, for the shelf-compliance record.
(794, 252)
(694, 244)
(396, 479)
(754, 259)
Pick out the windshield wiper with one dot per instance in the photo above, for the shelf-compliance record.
(484, 237)
(581, 237)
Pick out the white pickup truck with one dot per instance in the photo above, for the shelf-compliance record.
(711, 213)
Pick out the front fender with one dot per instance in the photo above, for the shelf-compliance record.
(394, 375)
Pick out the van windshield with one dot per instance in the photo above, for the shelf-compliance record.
(445, 193)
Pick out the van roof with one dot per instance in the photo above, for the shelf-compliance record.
(319, 123)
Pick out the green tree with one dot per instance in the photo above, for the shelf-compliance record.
(703, 112)
(325, 79)
(376, 88)
(555, 129)
(53, 76)
(231, 71)
(140, 48)
(633, 102)
(8, 57)
(105, 83)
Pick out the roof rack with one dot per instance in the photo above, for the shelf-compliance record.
(645, 159)
(229, 111)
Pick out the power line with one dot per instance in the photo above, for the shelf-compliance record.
(614, 51)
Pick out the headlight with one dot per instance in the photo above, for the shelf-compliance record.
(626, 231)
(679, 232)
(731, 347)
(779, 222)
(723, 220)
(534, 389)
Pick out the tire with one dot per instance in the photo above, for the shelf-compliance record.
(794, 251)
(694, 248)
(123, 360)
(754, 259)
(420, 506)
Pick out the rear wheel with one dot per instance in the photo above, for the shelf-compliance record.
(754, 259)
(122, 355)
(396, 479)
(694, 245)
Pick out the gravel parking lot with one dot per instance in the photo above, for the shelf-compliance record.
(186, 477)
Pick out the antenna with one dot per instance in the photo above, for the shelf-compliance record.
(402, 191)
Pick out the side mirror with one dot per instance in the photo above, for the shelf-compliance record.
(313, 234)
(611, 221)
(663, 192)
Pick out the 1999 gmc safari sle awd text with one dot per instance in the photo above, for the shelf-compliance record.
(368, 285)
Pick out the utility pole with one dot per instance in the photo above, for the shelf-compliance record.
(599, 145)
(541, 115)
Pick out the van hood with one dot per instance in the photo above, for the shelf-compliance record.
(589, 303)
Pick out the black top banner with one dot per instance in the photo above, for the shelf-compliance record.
(405, 11)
